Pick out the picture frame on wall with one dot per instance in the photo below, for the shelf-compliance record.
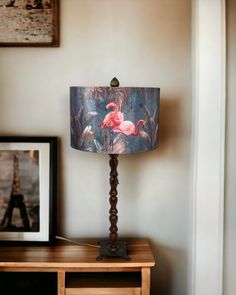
(28, 181)
(29, 23)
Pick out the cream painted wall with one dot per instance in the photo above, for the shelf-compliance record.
(142, 43)
(230, 185)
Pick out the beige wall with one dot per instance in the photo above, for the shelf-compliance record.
(142, 43)
(230, 185)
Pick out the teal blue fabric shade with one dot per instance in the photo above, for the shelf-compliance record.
(114, 120)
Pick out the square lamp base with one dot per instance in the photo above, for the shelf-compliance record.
(107, 250)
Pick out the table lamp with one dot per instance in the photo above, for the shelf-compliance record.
(114, 120)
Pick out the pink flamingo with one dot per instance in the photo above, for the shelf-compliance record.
(128, 128)
(112, 119)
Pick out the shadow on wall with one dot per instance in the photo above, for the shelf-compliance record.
(161, 280)
(170, 125)
(168, 260)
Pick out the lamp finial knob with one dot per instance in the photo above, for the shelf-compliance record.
(114, 82)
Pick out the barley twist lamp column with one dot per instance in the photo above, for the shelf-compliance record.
(113, 236)
(114, 120)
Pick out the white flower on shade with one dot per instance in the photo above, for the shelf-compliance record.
(145, 135)
(90, 116)
(119, 144)
(87, 134)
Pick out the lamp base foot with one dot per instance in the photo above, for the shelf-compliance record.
(107, 250)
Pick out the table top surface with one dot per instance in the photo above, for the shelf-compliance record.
(68, 255)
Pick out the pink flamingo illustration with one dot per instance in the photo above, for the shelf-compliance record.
(128, 128)
(114, 118)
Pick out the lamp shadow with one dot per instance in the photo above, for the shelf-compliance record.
(170, 267)
(161, 275)
(170, 122)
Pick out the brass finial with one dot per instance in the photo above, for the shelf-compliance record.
(114, 82)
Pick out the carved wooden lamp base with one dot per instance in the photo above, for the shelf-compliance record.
(113, 247)
(107, 250)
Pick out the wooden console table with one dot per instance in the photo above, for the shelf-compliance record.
(78, 271)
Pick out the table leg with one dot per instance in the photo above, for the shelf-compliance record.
(61, 283)
(145, 280)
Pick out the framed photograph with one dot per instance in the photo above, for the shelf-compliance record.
(29, 23)
(27, 189)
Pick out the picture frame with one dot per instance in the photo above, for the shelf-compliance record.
(29, 23)
(28, 185)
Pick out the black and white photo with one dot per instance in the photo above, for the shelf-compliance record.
(27, 188)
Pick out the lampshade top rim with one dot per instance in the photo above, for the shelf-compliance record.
(123, 87)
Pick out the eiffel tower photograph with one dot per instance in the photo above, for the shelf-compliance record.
(19, 191)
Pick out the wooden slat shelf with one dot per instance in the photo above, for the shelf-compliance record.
(78, 270)
(111, 283)
(104, 291)
(102, 280)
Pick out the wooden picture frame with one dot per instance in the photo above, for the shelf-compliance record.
(28, 182)
(29, 23)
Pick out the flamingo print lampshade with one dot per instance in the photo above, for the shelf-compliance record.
(114, 120)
